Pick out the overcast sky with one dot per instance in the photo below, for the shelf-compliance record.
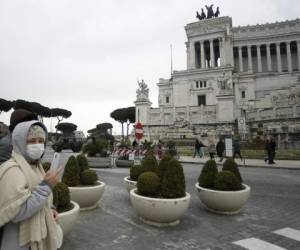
(86, 56)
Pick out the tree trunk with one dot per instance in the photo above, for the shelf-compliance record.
(122, 130)
(128, 124)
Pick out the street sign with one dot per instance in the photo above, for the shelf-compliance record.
(242, 124)
(139, 132)
(228, 147)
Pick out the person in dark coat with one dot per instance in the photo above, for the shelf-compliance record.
(198, 148)
(220, 149)
(271, 148)
(18, 116)
(237, 149)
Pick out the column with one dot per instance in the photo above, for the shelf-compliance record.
(187, 55)
(279, 68)
(192, 55)
(259, 65)
(269, 61)
(289, 56)
(298, 51)
(212, 53)
(202, 55)
(241, 59)
(249, 59)
(222, 54)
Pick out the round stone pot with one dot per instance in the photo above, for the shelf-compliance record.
(223, 202)
(87, 197)
(124, 163)
(129, 184)
(67, 219)
(99, 162)
(158, 211)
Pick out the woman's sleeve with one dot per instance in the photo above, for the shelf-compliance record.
(34, 203)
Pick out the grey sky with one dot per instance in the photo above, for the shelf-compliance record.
(86, 56)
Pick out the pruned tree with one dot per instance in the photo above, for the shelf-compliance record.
(124, 115)
(119, 115)
(33, 107)
(130, 111)
(5, 105)
(104, 126)
(66, 127)
(60, 114)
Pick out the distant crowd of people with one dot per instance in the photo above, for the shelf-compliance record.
(212, 149)
(219, 149)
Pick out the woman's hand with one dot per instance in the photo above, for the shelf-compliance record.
(52, 177)
(55, 215)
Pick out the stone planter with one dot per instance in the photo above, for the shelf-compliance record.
(159, 211)
(99, 162)
(129, 184)
(87, 197)
(223, 202)
(67, 219)
(124, 163)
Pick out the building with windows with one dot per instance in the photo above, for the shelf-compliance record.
(244, 80)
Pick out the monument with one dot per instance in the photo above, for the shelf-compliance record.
(249, 73)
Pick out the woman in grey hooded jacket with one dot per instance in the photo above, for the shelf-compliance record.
(26, 193)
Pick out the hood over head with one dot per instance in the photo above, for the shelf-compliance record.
(20, 135)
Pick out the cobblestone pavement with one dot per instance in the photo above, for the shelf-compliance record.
(274, 205)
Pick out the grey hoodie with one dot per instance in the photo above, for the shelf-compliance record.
(19, 138)
(35, 201)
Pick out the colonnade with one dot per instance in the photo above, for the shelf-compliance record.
(205, 53)
(269, 49)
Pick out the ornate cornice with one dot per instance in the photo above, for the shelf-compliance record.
(208, 26)
(267, 30)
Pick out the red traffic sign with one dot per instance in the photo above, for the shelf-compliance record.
(139, 132)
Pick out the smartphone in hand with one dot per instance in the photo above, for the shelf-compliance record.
(58, 163)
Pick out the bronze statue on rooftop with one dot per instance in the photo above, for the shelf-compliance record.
(210, 13)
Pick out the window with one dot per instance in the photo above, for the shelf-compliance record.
(204, 85)
(243, 94)
(201, 100)
(167, 99)
(197, 84)
(201, 84)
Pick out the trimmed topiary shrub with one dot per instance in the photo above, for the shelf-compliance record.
(230, 165)
(163, 164)
(135, 172)
(148, 184)
(173, 183)
(227, 181)
(82, 163)
(88, 177)
(46, 166)
(71, 175)
(61, 197)
(208, 174)
(149, 163)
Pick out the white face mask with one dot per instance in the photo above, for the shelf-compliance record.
(35, 151)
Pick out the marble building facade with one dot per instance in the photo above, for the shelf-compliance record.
(242, 80)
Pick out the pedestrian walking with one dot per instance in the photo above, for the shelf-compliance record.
(211, 151)
(220, 149)
(237, 149)
(271, 151)
(199, 149)
(267, 151)
(27, 216)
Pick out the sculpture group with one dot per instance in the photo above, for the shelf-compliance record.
(210, 13)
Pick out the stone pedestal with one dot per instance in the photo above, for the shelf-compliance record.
(225, 108)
